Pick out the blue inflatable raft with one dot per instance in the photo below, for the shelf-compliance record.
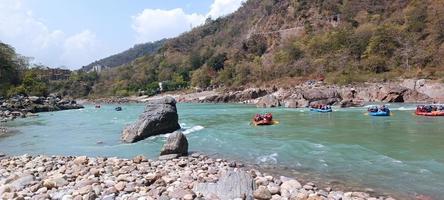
(380, 113)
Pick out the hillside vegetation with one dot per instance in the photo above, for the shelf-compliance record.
(18, 76)
(268, 40)
(127, 56)
(280, 41)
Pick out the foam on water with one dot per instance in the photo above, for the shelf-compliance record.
(267, 159)
(185, 131)
(193, 129)
(402, 108)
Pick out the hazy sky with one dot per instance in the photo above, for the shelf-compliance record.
(73, 33)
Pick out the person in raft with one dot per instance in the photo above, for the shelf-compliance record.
(267, 117)
(383, 108)
(373, 109)
(258, 117)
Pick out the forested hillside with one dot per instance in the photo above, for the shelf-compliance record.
(127, 56)
(269, 40)
(280, 41)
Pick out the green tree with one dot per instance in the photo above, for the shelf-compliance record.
(200, 78)
(217, 61)
(195, 60)
(383, 42)
(12, 66)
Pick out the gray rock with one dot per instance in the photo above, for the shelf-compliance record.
(168, 157)
(9, 195)
(268, 101)
(322, 193)
(22, 182)
(160, 117)
(109, 197)
(84, 190)
(261, 181)
(346, 103)
(55, 182)
(138, 159)
(120, 186)
(67, 197)
(110, 191)
(322, 95)
(81, 160)
(231, 185)
(179, 193)
(289, 187)
(176, 143)
(5, 189)
(262, 193)
(273, 188)
(420, 82)
(335, 195)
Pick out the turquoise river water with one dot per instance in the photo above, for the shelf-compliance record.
(403, 154)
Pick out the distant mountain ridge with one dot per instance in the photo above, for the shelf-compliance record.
(126, 56)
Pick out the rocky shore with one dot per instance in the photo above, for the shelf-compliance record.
(312, 92)
(189, 177)
(23, 106)
(111, 100)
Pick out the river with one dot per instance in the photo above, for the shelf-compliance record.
(403, 153)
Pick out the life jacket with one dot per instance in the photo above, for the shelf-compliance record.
(268, 116)
(257, 117)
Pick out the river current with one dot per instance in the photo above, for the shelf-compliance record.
(402, 153)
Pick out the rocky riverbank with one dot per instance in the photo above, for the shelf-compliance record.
(302, 95)
(23, 106)
(189, 177)
(111, 100)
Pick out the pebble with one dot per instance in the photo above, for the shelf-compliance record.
(67, 197)
(94, 171)
(273, 188)
(81, 160)
(120, 186)
(262, 193)
(289, 187)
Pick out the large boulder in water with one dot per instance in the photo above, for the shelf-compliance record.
(176, 143)
(160, 117)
